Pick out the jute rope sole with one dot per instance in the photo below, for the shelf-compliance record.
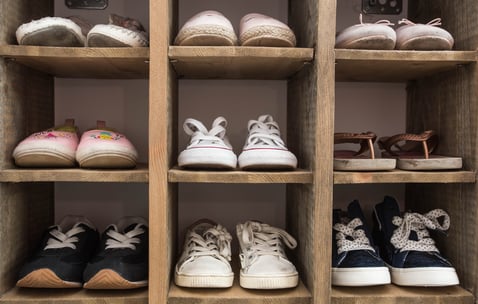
(206, 35)
(268, 35)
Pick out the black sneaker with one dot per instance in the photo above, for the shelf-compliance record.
(354, 259)
(406, 245)
(122, 259)
(63, 254)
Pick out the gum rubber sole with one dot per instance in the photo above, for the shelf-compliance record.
(45, 278)
(110, 279)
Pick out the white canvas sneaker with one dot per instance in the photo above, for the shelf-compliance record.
(207, 149)
(264, 264)
(264, 148)
(204, 262)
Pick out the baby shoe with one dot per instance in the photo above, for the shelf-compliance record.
(54, 31)
(50, 148)
(209, 28)
(264, 148)
(207, 149)
(261, 30)
(104, 148)
(369, 36)
(416, 36)
(120, 32)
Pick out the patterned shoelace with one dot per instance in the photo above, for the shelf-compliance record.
(350, 238)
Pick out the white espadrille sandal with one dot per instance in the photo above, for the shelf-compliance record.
(261, 30)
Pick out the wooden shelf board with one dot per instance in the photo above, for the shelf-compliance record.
(238, 62)
(177, 175)
(74, 296)
(392, 294)
(138, 175)
(396, 66)
(238, 295)
(114, 63)
(400, 176)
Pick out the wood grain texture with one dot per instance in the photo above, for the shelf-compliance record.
(399, 176)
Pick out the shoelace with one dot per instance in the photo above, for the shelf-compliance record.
(434, 22)
(216, 242)
(124, 240)
(382, 21)
(264, 131)
(199, 133)
(419, 224)
(349, 238)
(62, 240)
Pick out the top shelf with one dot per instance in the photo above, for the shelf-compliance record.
(82, 62)
(396, 66)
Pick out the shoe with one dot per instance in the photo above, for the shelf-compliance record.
(207, 28)
(264, 264)
(54, 31)
(261, 30)
(207, 149)
(363, 159)
(406, 246)
(120, 32)
(122, 259)
(416, 36)
(367, 36)
(55, 147)
(104, 148)
(355, 261)
(62, 256)
(204, 262)
(264, 148)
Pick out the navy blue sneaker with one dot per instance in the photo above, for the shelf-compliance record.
(355, 261)
(406, 246)
(122, 258)
(62, 256)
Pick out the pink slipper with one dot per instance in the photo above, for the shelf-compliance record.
(426, 37)
(261, 30)
(104, 148)
(50, 148)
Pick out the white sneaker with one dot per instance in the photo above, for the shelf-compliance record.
(264, 264)
(207, 149)
(205, 258)
(264, 148)
(120, 32)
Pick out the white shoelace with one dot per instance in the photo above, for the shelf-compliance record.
(216, 241)
(264, 132)
(434, 22)
(200, 135)
(419, 224)
(349, 238)
(124, 240)
(63, 240)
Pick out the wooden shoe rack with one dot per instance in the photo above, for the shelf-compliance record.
(441, 94)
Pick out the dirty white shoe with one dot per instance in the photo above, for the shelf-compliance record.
(264, 264)
(204, 262)
(416, 36)
(120, 32)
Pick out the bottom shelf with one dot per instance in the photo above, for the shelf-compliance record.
(75, 296)
(392, 294)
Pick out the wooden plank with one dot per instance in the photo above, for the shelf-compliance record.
(238, 62)
(74, 296)
(392, 294)
(137, 175)
(238, 295)
(396, 66)
(127, 63)
(248, 177)
(400, 176)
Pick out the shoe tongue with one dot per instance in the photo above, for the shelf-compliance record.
(131, 227)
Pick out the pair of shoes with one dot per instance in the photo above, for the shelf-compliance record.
(211, 28)
(264, 148)
(76, 32)
(59, 147)
(409, 36)
(72, 255)
(404, 254)
(204, 262)
(403, 151)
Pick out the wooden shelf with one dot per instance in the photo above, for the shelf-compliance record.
(389, 294)
(399, 176)
(238, 62)
(237, 294)
(74, 296)
(396, 66)
(115, 63)
(247, 177)
(138, 175)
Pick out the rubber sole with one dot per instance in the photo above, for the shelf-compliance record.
(267, 159)
(110, 279)
(43, 158)
(360, 276)
(375, 42)
(45, 278)
(207, 158)
(424, 276)
(107, 161)
(52, 35)
(206, 281)
(269, 282)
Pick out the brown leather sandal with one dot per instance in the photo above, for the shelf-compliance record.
(362, 160)
(413, 152)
